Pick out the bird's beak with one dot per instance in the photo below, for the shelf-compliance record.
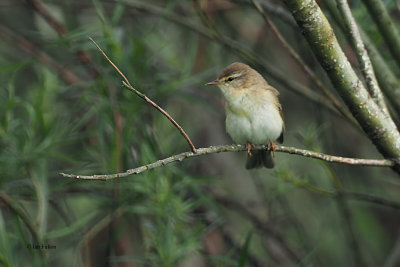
(216, 82)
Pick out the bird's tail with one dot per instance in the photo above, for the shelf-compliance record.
(260, 158)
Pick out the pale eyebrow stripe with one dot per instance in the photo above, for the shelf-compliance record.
(234, 75)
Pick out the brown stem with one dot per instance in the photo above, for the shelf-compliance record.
(128, 85)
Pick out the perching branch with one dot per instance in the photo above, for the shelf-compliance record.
(235, 148)
(128, 85)
(377, 125)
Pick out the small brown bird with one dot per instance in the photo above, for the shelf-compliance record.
(253, 111)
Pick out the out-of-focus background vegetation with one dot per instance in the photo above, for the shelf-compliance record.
(63, 109)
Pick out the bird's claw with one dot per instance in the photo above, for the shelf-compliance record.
(249, 147)
(272, 147)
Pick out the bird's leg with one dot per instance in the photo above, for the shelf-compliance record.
(249, 147)
(272, 147)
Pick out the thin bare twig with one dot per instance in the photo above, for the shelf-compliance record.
(128, 85)
(235, 148)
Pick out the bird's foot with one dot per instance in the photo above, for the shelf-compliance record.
(272, 147)
(249, 147)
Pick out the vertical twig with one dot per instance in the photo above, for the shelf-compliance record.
(388, 81)
(362, 55)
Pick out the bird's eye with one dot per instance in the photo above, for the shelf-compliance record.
(230, 79)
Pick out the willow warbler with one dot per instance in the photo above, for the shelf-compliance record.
(253, 111)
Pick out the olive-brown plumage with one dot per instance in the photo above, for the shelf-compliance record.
(253, 111)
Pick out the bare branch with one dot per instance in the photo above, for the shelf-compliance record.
(380, 128)
(235, 148)
(128, 85)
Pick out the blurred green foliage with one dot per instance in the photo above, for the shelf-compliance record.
(206, 211)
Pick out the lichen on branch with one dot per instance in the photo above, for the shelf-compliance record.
(318, 32)
(234, 148)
